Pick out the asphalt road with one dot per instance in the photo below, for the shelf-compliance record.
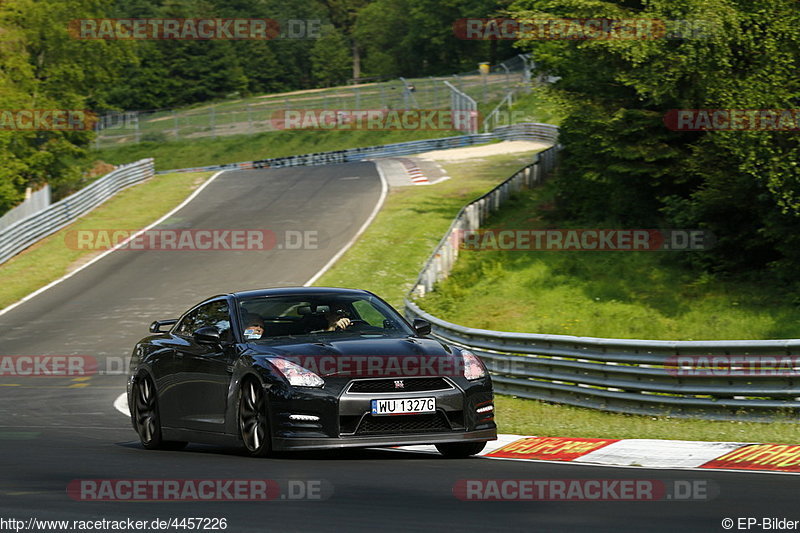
(56, 430)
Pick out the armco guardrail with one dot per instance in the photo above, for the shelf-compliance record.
(474, 214)
(632, 376)
(22, 234)
(527, 131)
(675, 378)
(27, 231)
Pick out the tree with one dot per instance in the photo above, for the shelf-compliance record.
(329, 58)
(43, 68)
(622, 165)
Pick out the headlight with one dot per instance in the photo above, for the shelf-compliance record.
(473, 366)
(296, 374)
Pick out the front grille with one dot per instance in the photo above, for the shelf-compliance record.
(409, 385)
(372, 425)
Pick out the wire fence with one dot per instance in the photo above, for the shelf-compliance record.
(260, 114)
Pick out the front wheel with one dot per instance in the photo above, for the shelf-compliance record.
(253, 427)
(147, 420)
(460, 450)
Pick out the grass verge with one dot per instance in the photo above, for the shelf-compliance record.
(133, 208)
(539, 105)
(206, 151)
(388, 256)
(632, 294)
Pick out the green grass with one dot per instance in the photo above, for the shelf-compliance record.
(429, 93)
(529, 417)
(389, 255)
(538, 106)
(238, 116)
(235, 148)
(644, 295)
(133, 208)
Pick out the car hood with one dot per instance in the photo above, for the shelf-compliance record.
(373, 357)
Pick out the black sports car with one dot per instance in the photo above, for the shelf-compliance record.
(306, 368)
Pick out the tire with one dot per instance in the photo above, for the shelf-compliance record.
(253, 423)
(460, 450)
(146, 418)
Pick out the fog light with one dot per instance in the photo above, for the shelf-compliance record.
(304, 418)
(485, 409)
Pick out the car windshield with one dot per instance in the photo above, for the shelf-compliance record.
(270, 317)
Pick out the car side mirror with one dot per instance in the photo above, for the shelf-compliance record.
(422, 327)
(207, 335)
(156, 326)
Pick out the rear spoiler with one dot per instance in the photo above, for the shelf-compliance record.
(155, 327)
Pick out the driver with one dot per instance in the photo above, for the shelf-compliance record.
(336, 319)
(254, 328)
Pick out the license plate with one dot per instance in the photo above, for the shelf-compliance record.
(403, 406)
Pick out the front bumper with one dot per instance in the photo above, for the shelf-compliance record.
(372, 441)
(344, 418)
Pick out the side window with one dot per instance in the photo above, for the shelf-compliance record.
(211, 314)
(186, 327)
(214, 314)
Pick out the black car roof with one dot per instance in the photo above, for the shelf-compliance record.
(289, 291)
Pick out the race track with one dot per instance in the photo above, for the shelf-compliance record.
(57, 429)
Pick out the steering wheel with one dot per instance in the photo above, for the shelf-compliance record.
(354, 322)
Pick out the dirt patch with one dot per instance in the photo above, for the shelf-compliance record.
(472, 152)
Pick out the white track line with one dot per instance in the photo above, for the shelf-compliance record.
(121, 404)
(115, 248)
(362, 229)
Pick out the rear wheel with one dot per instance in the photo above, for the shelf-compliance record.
(146, 417)
(457, 450)
(253, 426)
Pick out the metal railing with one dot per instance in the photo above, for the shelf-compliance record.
(25, 232)
(28, 231)
(496, 116)
(34, 202)
(528, 131)
(253, 115)
(464, 110)
(675, 378)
